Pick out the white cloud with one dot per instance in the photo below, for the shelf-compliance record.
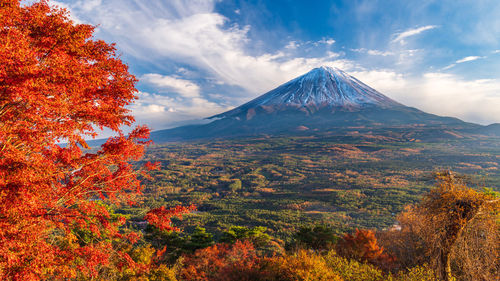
(160, 111)
(469, 58)
(182, 87)
(292, 45)
(89, 5)
(411, 32)
(496, 52)
(374, 52)
(189, 32)
(449, 66)
(359, 50)
(202, 41)
(383, 80)
(439, 93)
(410, 57)
(466, 59)
(154, 108)
(450, 95)
(379, 53)
(327, 41)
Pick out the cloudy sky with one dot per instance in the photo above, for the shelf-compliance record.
(197, 58)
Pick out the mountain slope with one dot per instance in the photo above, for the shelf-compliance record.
(322, 100)
(490, 130)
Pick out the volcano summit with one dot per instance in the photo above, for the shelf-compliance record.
(323, 100)
(322, 87)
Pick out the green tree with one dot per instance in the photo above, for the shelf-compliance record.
(256, 235)
(200, 239)
(235, 185)
(319, 237)
(173, 242)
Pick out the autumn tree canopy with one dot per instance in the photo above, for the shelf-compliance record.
(449, 211)
(454, 228)
(363, 246)
(59, 85)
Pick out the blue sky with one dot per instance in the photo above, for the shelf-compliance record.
(197, 58)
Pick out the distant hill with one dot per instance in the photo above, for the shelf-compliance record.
(492, 130)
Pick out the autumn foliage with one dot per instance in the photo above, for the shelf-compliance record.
(459, 229)
(160, 217)
(302, 265)
(454, 229)
(238, 261)
(59, 85)
(363, 246)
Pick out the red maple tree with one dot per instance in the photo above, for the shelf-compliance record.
(59, 84)
(160, 217)
(363, 246)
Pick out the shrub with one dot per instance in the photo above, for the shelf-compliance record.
(352, 270)
(301, 266)
(222, 262)
(418, 273)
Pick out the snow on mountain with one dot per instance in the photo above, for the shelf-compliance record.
(321, 87)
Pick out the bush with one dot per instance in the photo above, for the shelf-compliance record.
(418, 273)
(222, 262)
(352, 270)
(302, 266)
(320, 237)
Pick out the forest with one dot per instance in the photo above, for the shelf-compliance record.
(264, 208)
(284, 183)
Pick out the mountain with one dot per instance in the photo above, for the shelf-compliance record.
(323, 100)
(322, 87)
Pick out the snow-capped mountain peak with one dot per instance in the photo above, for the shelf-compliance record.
(322, 87)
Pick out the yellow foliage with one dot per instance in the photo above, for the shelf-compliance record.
(303, 266)
(162, 273)
(351, 270)
(418, 273)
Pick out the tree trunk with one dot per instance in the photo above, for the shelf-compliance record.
(445, 273)
(452, 236)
